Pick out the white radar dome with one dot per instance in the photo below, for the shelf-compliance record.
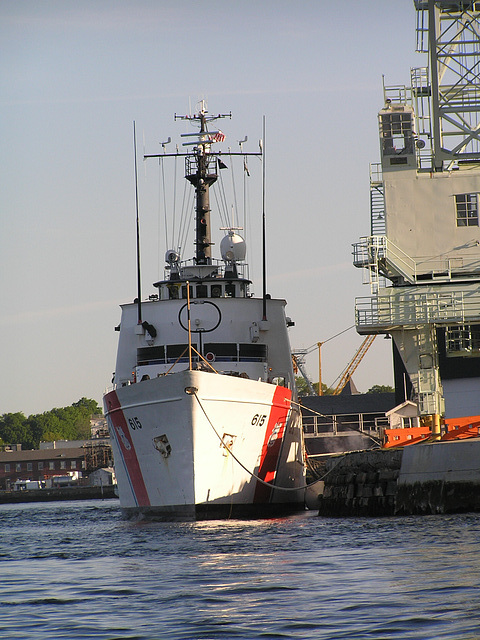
(233, 248)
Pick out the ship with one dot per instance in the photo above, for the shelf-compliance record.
(203, 413)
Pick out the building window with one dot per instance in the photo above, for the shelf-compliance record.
(63, 464)
(73, 464)
(29, 466)
(396, 129)
(51, 465)
(40, 466)
(18, 466)
(466, 205)
(7, 467)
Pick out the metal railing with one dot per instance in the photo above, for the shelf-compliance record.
(403, 308)
(382, 257)
(343, 425)
(219, 268)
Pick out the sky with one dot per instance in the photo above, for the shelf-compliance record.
(74, 78)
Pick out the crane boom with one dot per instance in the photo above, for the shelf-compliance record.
(353, 364)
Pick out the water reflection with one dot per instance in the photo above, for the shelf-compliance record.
(78, 570)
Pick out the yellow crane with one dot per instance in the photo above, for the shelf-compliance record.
(353, 364)
(299, 355)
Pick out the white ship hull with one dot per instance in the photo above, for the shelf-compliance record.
(197, 444)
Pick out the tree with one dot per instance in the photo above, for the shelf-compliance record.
(91, 406)
(13, 428)
(326, 391)
(66, 423)
(303, 390)
(381, 388)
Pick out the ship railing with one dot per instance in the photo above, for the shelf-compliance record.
(219, 268)
(191, 164)
(383, 312)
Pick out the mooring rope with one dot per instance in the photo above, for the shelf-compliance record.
(253, 475)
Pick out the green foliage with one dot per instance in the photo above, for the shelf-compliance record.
(303, 390)
(326, 391)
(302, 386)
(381, 388)
(67, 423)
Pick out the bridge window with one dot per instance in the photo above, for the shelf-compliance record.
(216, 290)
(466, 205)
(173, 291)
(184, 292)
(201, 290)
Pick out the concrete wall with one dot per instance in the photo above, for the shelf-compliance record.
(440, 477)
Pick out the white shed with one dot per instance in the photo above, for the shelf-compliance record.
(102, 477)
(403, 416)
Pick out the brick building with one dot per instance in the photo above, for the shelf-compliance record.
(17, 464)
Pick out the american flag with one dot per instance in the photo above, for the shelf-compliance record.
(218, 136)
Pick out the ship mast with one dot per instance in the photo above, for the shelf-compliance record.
(201, 166)
(201, 172)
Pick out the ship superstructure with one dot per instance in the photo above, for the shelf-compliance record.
(422, 257)
(203, 415)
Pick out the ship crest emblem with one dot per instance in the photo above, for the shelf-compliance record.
(162, 444)
(275, 434)
(123, 438)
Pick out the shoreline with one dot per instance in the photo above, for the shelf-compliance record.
(59, 494)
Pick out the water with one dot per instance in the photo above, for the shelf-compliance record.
(78, 570)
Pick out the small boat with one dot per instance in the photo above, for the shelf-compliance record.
(203, 413)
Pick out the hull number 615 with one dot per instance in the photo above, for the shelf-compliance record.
(134, 423)
(258, 419)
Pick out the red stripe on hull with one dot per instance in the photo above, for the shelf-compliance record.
(125, 443)
(273, 442)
